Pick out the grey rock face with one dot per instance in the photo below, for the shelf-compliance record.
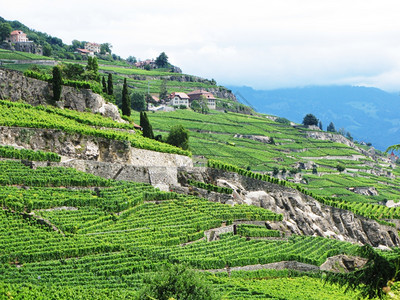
(303, 215)
(15, 86)
(343, 263)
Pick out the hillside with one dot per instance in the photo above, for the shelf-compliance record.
(257, 206)
(369, 114)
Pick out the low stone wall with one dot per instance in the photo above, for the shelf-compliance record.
(289, 265)
(157, 176)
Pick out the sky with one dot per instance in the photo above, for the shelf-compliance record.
(265, 44)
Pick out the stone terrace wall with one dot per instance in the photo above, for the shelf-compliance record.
(76, 146)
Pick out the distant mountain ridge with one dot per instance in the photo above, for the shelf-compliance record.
(369, 114)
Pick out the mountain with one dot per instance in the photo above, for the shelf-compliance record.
(369, 114)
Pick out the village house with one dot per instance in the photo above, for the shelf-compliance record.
(17, 36)
(85, 52)
(199, 94)
(178, 99)
(147, 62)
(93, 47)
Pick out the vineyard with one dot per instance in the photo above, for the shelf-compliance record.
(232, 138)
(61, 227)
(71, 234)
(24, 115)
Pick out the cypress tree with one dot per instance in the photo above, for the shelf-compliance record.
(57, 83)
(126, 103)
(104, 85)
(110, 88)
(145, 124)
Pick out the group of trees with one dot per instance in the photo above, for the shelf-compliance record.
(311, 120)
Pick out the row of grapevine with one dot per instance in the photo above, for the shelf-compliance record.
(210, 187)
(11, 152)
(256, 231)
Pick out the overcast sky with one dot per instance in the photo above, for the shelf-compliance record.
(263, 44)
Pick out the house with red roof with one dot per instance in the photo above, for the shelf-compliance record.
(84, 52)
(199, 94)
(179, 98)
(93, 47)
(18, 36)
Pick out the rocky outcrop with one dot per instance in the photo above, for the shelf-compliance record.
(343, 263)
(338, 138)
(15, 86)
(366, 191)
(257, 138)
(303, 215)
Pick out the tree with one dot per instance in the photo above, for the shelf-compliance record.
(47, 50)
(104, 85)
(309, 120)
(105, 48)
(163, 90)
(5, 30)
(177, 282)
(348, 135)
(145, 124)
(92, 64)
(378, 273)
(179, 137)
(126, 103)
(110, 88)
(73, 71)
(138, 101)
(57, 83)
(331, 127)
(340, 168)
(162, 60)
(320, 125)
(131, 59)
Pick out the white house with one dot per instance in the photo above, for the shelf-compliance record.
(179, 98)
(93, 47)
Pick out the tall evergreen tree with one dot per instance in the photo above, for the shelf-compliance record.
(110, 87)
(331, 127)
(320, 125)
(146, 126)
(57, 83)
(126, 101)
(104, 85)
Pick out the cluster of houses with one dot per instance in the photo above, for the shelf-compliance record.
(90, 49)
(181, 99)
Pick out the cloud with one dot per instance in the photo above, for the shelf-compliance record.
(264, 44)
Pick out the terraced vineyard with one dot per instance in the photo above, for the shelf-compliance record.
(235, 138)
(105, 235)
